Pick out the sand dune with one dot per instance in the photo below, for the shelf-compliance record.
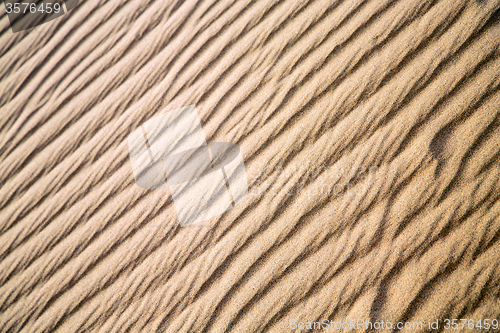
(370, 133)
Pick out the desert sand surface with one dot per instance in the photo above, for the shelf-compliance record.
(370, 135)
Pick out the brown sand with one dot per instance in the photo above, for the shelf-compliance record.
(371, 138)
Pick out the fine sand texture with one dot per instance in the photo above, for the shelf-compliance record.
(370, 134)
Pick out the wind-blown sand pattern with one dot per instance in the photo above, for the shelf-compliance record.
(370, 132)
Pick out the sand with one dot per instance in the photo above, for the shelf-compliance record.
(370, 134)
